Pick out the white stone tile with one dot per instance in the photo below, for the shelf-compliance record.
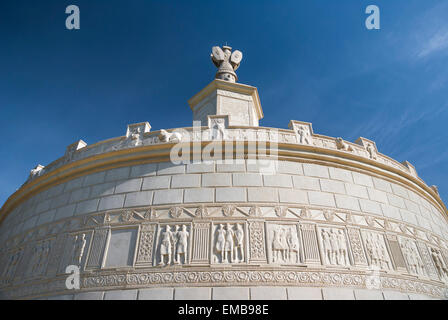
(262, 194)
(293, 196)
(366, 294)
(73, 184)
(55, 191)
(306, 183)
(377, 195)
(80, 194)
(382, 185)
(199, 195)
(156, 294)
(93, 295)
(356, 191)
(192, 293)
(43, 206)
(170, 168)
(415, 296)
(86, 206)
(321, 198)
(64, 212)
(232, 167)
(390, 211)
(186, 181)
(399, 191)
(144, 170)
(263, 166)
(340, 174)
(45, 217)
(395, 295)
(128, 185)
(216, 179)
(60, 200)
(121, 295)
(278, 180)
(103, 189)
(229, 293)
(111, 202)
(408, 216)
(117, 174)
(332, 186)
(412, 206)
(362, 179)
(168, 196)
(347, 202)
(370, 206)
(304, 293)
(152, 183)
(94, 178)
(395, 201)
(338, 294)
(30, 223)
(61, 297)
(230, 194)
(141, 198)
(315, 170)
(203, 167)
(268, 293)
(247, 180)
(290, 167)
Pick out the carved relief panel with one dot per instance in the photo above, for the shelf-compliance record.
(377, 252)
(257, 245)
(201, 243)
(283, 243)
(439, 263)
(11, 262)
(39, 258)
(412, 257)
(173, 244)
(427, 260)
(98, 247)
(145, 251)
(358, 252)
(229, 242)
(334, 246)
(310, 244)
(74, 251)
(397, 253)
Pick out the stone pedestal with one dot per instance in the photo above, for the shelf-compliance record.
(240, 102)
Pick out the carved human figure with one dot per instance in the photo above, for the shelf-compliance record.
(293, 245)
(136, 137)
(182, 244)
(277, 248)
(78, 248)
(372, 250)
(327, 246)
(343, 251)
(166, 246)
(220, 242)
(218, 130)
(441, 267)
(12, 263)
(239, 243)
(334, 247)
(371, 150)
(382, 253)
(304, 135)
(228, 247)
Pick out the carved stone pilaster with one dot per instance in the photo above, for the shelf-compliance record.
(201, 243)
(146, 244)
(310, 245)
(427, 260)
(257, 243)
(55, 255)
(396, 253)
(98, 247)
(359, 255)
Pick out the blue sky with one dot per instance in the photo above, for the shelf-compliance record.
(141, 60)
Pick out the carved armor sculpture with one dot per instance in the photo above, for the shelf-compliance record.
(182, 244)
(78, 248)
(165, 246)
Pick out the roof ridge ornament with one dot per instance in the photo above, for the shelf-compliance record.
(227, 62)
